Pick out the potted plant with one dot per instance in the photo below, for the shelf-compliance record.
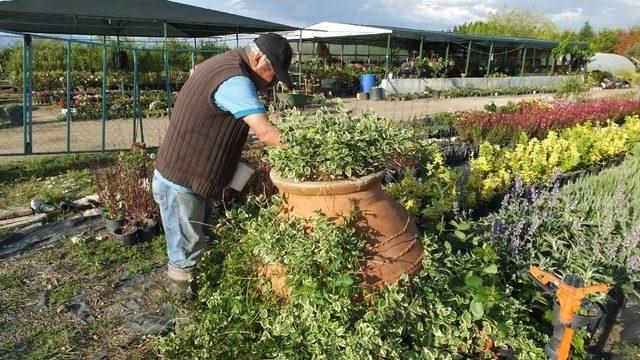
(127, 235)
(108, 182)
(336, 163)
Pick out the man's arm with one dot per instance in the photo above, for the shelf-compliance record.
(266, 132)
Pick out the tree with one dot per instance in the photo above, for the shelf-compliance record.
(633, 53)
(513, 22)
(627, 39)
(606, 40)
(586, 33)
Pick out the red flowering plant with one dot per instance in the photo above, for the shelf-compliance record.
(537, 118)
(125, 189)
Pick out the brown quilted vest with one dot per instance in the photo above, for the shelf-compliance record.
(203, 144)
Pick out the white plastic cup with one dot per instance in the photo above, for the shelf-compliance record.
(241, 177)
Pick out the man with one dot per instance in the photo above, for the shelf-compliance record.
(216, 107)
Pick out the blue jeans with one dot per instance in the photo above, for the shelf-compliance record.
(183, 215)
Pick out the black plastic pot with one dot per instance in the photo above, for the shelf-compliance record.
(149, 230)
(126, 238)
(111, 224)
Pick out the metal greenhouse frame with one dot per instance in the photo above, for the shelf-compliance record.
(115, 18)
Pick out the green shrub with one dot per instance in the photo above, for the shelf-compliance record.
(336, 146)
(14, 113)
(572, 86)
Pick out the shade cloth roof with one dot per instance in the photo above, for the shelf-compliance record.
(125, 18)
(377, 35)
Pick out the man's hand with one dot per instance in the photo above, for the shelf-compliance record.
(266, 132)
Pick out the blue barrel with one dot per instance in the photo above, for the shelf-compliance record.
(367, 81)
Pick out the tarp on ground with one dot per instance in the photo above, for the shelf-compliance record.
(125, 18)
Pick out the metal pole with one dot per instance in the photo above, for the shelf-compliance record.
(466, 67)
(553, 64)
(104, 93)
(167, 74)
(68, 95)
(489, 62)
(420, 56)
(134, 95)
(446, 54)
(300, 60)
(533, 61)
(137, 114)
(26, 93)
(237, 38)
(118, 65)
(193, 54)
(386, 66)
(524, 58)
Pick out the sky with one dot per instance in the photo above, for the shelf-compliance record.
(427, 14)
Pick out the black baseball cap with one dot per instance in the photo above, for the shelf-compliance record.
(277, 49)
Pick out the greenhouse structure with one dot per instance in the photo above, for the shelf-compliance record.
(41, 20)
(457, 55)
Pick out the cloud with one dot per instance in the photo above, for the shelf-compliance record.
(569, 15)
(427, 14)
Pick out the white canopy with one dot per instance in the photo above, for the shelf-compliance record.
(327, 29)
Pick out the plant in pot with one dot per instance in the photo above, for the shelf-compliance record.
(127, 234)
(108, 182)
(141, 209)
(334, 164)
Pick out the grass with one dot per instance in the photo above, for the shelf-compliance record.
(12, 279)
(51, 165)
(96, 256)
(64, 293)
(94, 266)
(69, 186)
(11, 293)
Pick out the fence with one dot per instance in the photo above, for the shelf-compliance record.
(88, 96)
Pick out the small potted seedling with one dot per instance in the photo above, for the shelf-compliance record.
(127, 234)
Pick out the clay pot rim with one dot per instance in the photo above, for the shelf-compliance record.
(337, 187)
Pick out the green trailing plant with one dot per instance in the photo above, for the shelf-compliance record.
(334, 146)
(448, 311)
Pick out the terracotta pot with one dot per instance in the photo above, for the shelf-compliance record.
(391, 236)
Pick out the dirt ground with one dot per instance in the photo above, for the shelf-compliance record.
(85, 297)
(49, 133)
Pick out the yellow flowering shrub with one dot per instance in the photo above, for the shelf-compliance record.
(535, 161)
(632, 127)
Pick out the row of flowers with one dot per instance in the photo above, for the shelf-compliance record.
(536, 161)
(46, 81)
(537, 118)
(88, 106)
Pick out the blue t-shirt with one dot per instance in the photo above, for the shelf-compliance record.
(239, 96)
